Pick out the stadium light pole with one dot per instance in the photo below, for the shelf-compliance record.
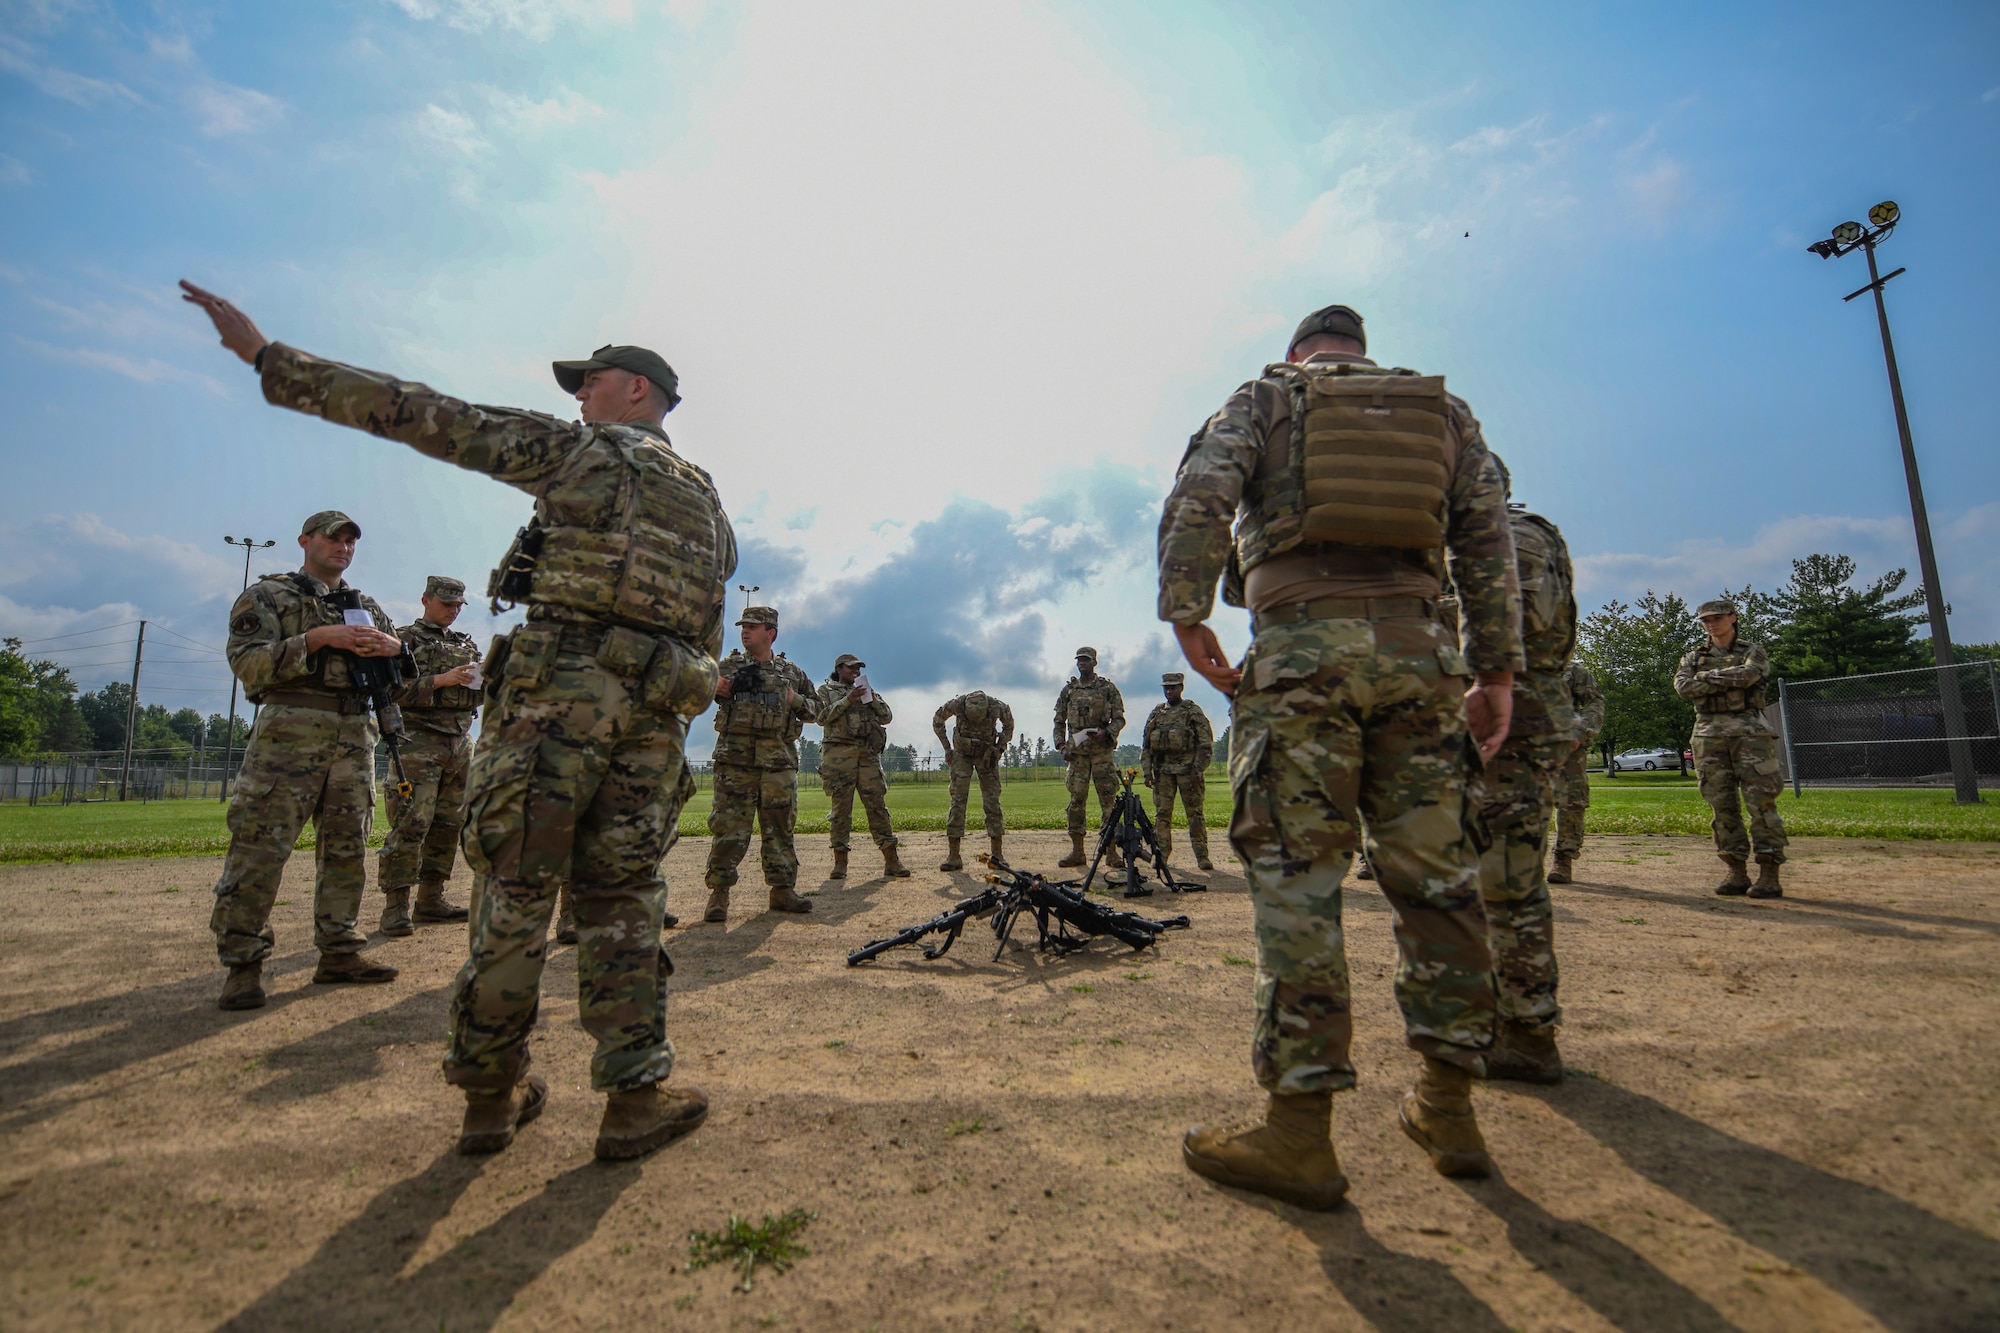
(1846, 239)
(248, 544)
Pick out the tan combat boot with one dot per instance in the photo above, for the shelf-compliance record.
(1767, 885)
(892, 864)
(993, 851)
(952, 859)
(1560, 873)
(492, 1117)
(1290, 1156)
(1201, 858)
(1438, 1115)
(718, 906)
(1076, 856)
(244, 989)
(1112, 859)
(638, 1121)
(1166, 843)
(1525, 1053)
(784, 900)
(432, 906)
(565, 917)
(351, 969)
(396, 912)
(839, 864)
(1738, 881)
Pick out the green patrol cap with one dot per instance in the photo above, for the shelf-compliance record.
(847, 659)
(638, 360)
(1173, 678)
(1339, 320)
(444, 589)
(759, 615)
(330, 522)
(1718, 606)
(1090, 653)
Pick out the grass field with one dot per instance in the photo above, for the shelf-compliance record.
(1664, 803)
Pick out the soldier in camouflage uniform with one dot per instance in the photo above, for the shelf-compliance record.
(1349, 486)
(1089, 715)
(1735, 750)
(852, 717)
(622, 570)
(438, 704)
(1177, 748)
(311, 756)
(763, 702)
(985, 727)
(1573, 786)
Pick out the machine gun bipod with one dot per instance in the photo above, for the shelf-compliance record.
(1128, 828)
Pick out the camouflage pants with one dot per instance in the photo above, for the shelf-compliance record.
(767, 798)
(301, 764)
(1191, 788)
(1088, 768)
(963, 770)
(572, 779)
(1337, 719)
(843, 771)
(1572, 800)
(1514, 794)
(1747, 765)
(423, 832)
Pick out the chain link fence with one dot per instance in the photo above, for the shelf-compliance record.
(66, 779)
(1893, 728)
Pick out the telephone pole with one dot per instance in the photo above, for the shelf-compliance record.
(132, 712)
(248, 544)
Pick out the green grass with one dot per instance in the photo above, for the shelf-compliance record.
(1669, 803)
(743, 1246)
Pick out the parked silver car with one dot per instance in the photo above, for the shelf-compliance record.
(1649, 760)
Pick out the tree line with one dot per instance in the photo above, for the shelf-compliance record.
(42, 712)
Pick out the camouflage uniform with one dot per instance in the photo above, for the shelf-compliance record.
(756, 764)
(1350, 706)
(311, 756)
(1573, 787)
(850, 761)
(437, 757)
(587, 706)
(1094, 706)
(985, 728)
(1735, 748)
(1178, 746)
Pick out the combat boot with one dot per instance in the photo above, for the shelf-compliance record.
(1112, 859)
(1560, 872)
(1290, 1156)
(839, 864)
(952, 859)
(638, 1121)
(1201, 860)
(432, 906)
(1438, 1115)
(1525, 1053)
(244, 989)
(492, 1117)
(565, 917)
(1738, 881)
(396, 912)
(718, 906)
(352, 969)
(993, 851)
(892, 864)
(1767, 885)
(1365, 871)
(784, 900)
(1076, 856)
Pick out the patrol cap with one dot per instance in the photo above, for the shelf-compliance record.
(444, 589)
(759, 615)
(638, 360)
(330, 522)
(1173, 678)
(1338, 320)
(847, 659)
(1717, 606)
(1090, 653)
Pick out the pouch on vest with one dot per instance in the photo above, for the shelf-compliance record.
(1373, 454)
(496, 663)
(1087, 710)
(1172, 739)
(531, 657)
(625, 652)
(678, 680)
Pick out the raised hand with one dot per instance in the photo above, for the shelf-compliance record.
(238, 334)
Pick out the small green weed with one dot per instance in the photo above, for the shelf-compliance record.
(1633, 920)
(835, 1045)
(745, 1246)
(1138, 976)
(1084, 988)
(1235, 961)
(958, 1127)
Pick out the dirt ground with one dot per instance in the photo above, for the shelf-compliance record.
(1779, 1116)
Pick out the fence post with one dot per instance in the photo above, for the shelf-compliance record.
(1785, 725)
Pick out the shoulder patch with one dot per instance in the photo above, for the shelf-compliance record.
(245, 623)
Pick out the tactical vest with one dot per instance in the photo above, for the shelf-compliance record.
(326, 669)
(759, 711)
(1088, 707)
(1173, 735)
(857, 726)
(1751, 700)
(1548, 597)
(651, 559)
(436, 654)
(978, 729)
(1370, 464)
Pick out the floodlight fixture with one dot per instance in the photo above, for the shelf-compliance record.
(1824, 249)
(1885, 213)
(1847, 233)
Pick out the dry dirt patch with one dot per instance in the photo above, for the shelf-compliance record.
(1782, 1116)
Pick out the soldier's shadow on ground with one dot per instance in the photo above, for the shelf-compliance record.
(351, 1052)
(138, 1025)
(1861, 918)
(1396, 1292)
(355, 1280)
(1908, 1268)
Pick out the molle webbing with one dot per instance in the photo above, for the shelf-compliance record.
(1372, 453)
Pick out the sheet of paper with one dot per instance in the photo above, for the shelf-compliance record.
(356, 616)
(867, 690)
(478, 675)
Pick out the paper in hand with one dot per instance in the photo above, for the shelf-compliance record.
(478, 675)
(867, 690)
(354, 615)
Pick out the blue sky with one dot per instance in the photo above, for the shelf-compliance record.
(949, 286)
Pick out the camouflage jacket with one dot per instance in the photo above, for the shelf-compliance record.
(1587, 699)
(757, 727)
(1542, 706)
(985, 726)
(1727, 687)
(846, 723)
(435, 650)
(1092, 705)
(1222, 465)
(267, 637)
(1177, 739)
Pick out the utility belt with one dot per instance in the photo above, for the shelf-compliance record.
(1345, 608)
(1725, 712)
(666, 675)
(347, 705)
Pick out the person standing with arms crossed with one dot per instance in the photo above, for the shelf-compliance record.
(1178, 747)
(1735, 750)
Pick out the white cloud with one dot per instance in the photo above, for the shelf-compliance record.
(219, 108)
(145, 370)
(13, 171)
(1990, 95)
(535, 19)
(17, 57)
(566, 107)
(452, 130)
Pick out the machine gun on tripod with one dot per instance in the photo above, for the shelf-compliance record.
(1059, 909)
(1128, 829)
(379, 678)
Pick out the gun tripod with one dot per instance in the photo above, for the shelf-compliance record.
(1128, 829)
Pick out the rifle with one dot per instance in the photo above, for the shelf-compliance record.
(1128, 828)
(379, 678)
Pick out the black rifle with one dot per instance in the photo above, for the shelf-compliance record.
(1059, 908)
(379, 678)
(1128, 829)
